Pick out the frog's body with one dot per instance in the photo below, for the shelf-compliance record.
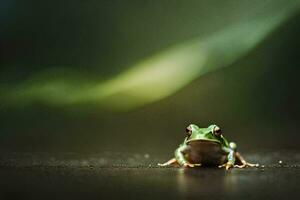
(206, 153)
(207, 147)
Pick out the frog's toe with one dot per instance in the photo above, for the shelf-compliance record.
(168, 163)
(220, 166)
(252, 165)
(240, 166)
(247, 165)
(191, 165)
(163, 164)
(227, 166)
(197, 164)
(187, 165)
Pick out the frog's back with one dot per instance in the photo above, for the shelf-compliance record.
(205, 152)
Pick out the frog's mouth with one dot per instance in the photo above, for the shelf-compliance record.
(202, 140)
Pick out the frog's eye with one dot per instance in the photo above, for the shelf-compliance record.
(188, 131)
(217, 131)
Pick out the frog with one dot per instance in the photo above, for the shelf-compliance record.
(207, 147)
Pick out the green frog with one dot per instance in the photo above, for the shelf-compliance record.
(207, 147)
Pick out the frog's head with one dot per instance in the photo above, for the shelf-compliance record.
(212, 133)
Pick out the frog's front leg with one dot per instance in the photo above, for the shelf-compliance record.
(243, 161)
(230, 158)
(181, 159)
(233, 155)
(172, 161)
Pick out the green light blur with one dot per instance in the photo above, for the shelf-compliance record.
(155, 77)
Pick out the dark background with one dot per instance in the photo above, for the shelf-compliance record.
(99, 151)
(255, 99)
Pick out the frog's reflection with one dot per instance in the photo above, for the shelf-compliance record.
(205, 181)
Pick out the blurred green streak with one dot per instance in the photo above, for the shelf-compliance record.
(156, 77)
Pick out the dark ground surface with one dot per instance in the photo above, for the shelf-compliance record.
(135, 176)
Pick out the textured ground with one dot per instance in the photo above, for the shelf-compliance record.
(135, 176)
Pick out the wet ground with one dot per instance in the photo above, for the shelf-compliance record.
(135, 176)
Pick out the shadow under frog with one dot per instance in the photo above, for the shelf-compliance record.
(207, 147)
